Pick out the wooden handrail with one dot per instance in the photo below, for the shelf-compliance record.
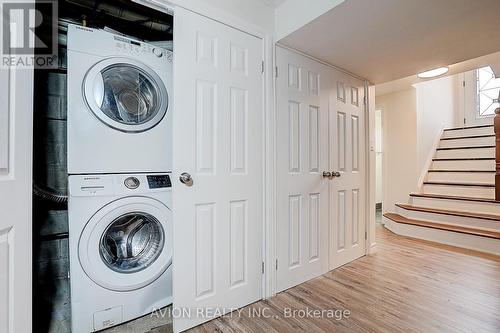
(497, 158)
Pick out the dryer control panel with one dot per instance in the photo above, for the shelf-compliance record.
(159, 181)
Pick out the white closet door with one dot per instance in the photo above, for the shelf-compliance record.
(347, 156)
(218, 141)
(16, 135)
(302, 156)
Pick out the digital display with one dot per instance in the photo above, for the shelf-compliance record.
(159, 181)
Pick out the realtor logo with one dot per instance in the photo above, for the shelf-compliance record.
(29, 34)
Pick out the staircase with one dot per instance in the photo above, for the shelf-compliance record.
(456, 204)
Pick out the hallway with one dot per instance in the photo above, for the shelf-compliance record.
(409, 285)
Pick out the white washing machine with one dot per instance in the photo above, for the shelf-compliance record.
(119, 104)
(120, 241)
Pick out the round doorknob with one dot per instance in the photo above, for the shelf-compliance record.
(186, 179)
(327, 174)
(336, 174)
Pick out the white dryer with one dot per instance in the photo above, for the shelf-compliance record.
(119, 104)
(120, 241)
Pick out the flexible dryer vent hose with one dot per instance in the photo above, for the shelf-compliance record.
(49, 195)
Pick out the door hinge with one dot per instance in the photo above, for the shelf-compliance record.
(276, 264)
(463, 83)
(262, 267)
(366, 235)
(276, 72)
(364, 100)
(262, 66)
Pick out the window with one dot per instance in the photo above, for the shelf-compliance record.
(488, 88)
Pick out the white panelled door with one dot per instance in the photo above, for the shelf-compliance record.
(320, 127)
(218, 144)
(16, 135)
(347, 156)
(302, 156)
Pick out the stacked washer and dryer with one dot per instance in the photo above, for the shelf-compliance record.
(119, 165)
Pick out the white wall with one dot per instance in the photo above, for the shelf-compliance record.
(400, 173)
(437, 108)
(256, 15)
(412, 123)
(294, 14)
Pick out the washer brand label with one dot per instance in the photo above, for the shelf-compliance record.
(85, 29)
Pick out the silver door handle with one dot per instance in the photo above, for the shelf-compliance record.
(186, 179)
(327, 174)
(336, 174)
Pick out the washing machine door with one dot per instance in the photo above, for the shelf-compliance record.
(127, 244)
(125, 94)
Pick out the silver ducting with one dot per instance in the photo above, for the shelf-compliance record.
(122, 13)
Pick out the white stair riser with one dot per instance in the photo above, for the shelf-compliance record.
(478, 243)
(466, 153)
(463, 177)
(459, 205)
(449, 219)
(468, 142)
(487, 165)
(463, 191)
(469, 132)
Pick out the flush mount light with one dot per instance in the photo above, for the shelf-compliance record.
(433, 73)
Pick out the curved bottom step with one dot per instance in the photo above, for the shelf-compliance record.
(469, 238)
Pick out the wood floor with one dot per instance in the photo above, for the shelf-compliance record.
(408, 285)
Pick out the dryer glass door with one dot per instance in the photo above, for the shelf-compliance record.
(125, 95)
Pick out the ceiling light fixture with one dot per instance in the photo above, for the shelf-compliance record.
(433, 73)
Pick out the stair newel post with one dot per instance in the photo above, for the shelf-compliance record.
(497, 153)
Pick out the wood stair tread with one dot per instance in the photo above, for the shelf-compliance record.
(466, 127)
(442, 226)
(454, 170)
(470, 137)
(492, 217)
(465, 159)
(467, 147)
(459, 184)
(453, 197)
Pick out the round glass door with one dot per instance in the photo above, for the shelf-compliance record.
(132, 242)
(127, 244)
(125, 94)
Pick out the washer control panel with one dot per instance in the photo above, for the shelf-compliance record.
(159, 181)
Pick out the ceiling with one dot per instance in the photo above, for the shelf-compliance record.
(384, 40)
(272, 3)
